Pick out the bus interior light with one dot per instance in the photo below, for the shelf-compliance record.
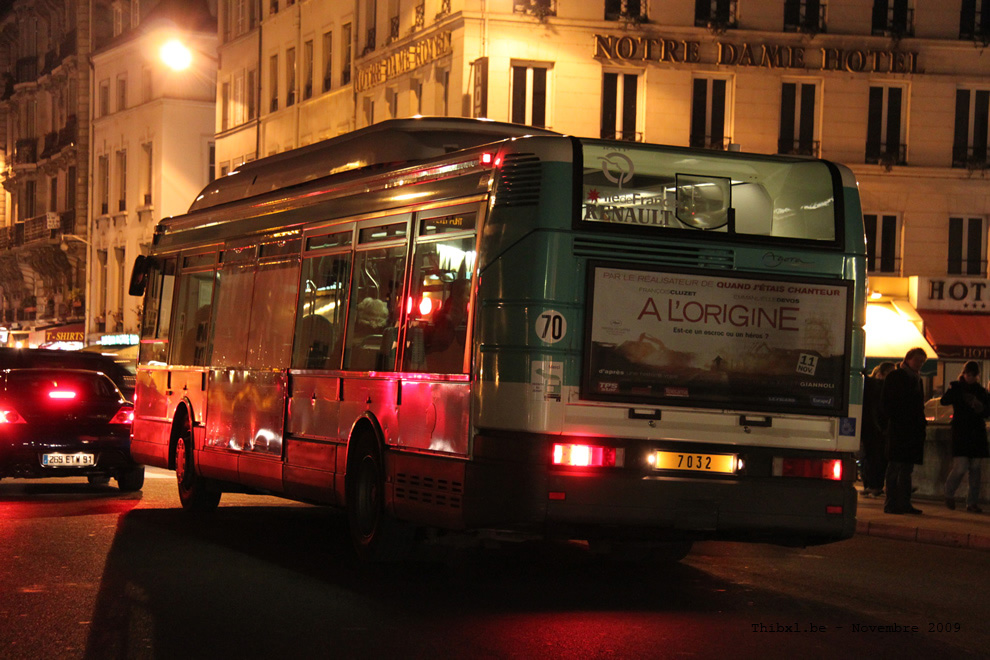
(581, 455)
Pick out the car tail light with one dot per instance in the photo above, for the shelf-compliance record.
(580, 455)
(124, 416)
(812, 468)
(10, 416)
(62, 394)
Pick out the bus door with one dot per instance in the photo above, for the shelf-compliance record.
(151, 412)
(434, 402)
(189, 344)
(252, 342)
(313, 421)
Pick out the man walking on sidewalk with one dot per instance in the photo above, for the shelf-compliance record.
(903, 409)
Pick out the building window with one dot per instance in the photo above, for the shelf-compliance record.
(290, 77)
(392, 101)
(882, 243)
(148, 170)
(416, 87)
(53, 193)
(103, 183)
(885, 127)
(121, 93)
(530, 93)
(345, 63)
(631, 10)
(251, 93)
(212, 162)
(538, 8)
(307, 83)
(237, 105)
(121, 180)
(967, 246)
(419, 15)
(717, 15)
(104, 98)
(798, 119)
(619, 117)
(29, 200)
(893, 18)
(709, 101)
(806, 16)
(443, 77)
(273, 82)
(327, 61)
(974, 20)
(224, 106)
(969, 144)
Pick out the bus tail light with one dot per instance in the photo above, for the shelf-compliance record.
(811, 468)
(580, 455)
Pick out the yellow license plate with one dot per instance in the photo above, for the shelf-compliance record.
(672, 460)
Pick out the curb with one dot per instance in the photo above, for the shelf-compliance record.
(923, 535)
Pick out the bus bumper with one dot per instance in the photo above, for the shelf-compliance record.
(639, 503)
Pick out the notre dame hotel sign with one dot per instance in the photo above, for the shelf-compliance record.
(769, 56)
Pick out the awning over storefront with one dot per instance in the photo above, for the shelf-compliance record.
(890, 334)
(958, 336)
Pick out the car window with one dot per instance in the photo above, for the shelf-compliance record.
(81, 385)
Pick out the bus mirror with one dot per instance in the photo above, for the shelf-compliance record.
(703, 201)
(139, 275)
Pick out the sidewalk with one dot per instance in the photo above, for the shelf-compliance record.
(937, 525)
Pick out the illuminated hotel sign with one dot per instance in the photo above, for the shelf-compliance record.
(757, 55)
(403, 60)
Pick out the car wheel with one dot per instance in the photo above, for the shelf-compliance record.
(131, 480)
(196, 493)
(98, 479)
(375, 534)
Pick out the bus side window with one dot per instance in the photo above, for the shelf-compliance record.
(192, 319)
(374, 309)
(157, 313)
(436, 332)
(273, 314)
(320, 317)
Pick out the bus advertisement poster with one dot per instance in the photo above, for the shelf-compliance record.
(694, 339)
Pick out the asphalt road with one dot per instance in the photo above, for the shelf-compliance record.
(91, 573)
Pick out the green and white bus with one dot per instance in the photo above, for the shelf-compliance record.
(471, 329)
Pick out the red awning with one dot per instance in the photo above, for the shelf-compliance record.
(959, 336)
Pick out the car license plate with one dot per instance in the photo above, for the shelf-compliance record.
(68, 460)
(673, 460)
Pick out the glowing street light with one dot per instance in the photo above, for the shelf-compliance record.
(176, 55)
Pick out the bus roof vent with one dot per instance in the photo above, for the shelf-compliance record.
(518, 181)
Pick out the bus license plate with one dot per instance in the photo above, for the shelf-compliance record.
(68, 460)
(720, 463)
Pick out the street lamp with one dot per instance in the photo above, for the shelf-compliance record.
(64, 247)
(175, 55)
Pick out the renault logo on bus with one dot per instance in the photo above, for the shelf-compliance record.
(623, 166)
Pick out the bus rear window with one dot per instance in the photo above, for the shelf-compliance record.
(741, 194)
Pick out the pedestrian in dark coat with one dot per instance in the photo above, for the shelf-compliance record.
(872, 442)
(970, 408)
(903, 409)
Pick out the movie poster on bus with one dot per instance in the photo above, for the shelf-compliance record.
(705, 340)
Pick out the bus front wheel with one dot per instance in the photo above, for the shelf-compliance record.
(195, 492)
(375, 534)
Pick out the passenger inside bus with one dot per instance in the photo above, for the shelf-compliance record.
(316, 335)
(364, 341)
(446, 336)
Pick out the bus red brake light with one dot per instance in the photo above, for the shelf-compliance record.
(577, 455)
(811, 468)
(487, 158)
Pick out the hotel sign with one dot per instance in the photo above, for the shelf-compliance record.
(953, 294)
(756, 55)
(403, 60)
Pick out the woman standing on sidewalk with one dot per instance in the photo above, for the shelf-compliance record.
(970, 408)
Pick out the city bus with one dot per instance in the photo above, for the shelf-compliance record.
(459, 329)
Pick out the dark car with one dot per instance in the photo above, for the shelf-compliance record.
(58, 422)
(27, 358)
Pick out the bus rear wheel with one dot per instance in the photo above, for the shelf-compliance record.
(195, 492)
(375, 534)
